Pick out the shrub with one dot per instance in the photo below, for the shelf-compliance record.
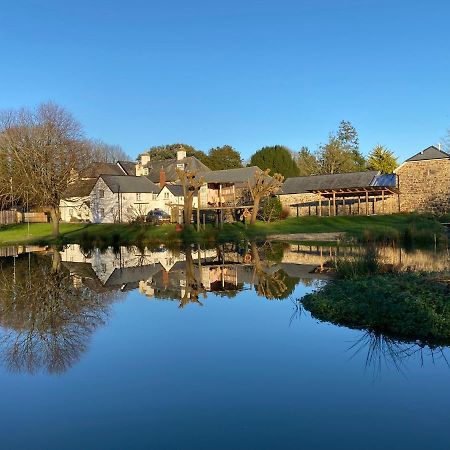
(271, 210)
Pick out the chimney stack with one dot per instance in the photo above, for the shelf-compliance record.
(145, 159)
(162, 177)
(181, 154)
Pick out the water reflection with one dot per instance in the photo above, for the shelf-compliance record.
(46, 318)
(188, 275)
(404, 313)
(382, 351)
(52, 301)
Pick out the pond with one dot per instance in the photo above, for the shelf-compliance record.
(213, 348)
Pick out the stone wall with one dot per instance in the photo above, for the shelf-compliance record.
(425, 186)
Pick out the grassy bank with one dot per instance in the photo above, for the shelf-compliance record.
(399, 228)
(98, 234)
(406, 229)
(403, 306)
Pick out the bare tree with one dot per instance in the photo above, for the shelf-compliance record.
(191, 185)
(263, 185)
(41, 152)
(46, 320)
(102, 152)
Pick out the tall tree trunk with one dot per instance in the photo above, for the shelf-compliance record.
(56, 261)
(55, 215)
(255, 210)
(188, 208)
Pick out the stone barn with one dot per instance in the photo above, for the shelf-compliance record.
(355, 193)
(424, 182)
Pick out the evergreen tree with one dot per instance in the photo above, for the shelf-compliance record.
(225, 157)
(307, 163)
(382, 159)
(276, 158)
(348, 136)
(169, 151)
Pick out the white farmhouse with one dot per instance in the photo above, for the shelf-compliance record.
(76, 203)
(122, 198)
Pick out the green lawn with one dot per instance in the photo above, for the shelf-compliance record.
(399, 228)
(388, 228)
(77, 233)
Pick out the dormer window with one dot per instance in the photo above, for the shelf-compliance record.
(180, 166)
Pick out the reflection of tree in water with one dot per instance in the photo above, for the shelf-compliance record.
(270, 283)
(386, 351)
(46, 321)
(194, 287)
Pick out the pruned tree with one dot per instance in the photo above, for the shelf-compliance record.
(191, 184)
(193, 287)
(41, 152)
(263, 185)
(268, 283)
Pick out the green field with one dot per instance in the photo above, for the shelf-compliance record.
(397, 228)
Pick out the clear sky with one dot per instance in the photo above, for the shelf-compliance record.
(242, 72)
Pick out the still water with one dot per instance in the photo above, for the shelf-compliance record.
(205, 349)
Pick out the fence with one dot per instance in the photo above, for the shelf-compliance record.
(8, 217)
(35, 217)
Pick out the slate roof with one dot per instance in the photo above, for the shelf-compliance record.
(128, 166)
(176, 189)
(429, 153)
(80, 188)
(240, 175)
(170, 165)
(135, 274)
(129, 184)
(99, 168)
(298, 185)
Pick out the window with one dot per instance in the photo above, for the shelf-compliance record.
(138, 196)
(101, 193)
(154, 196)
(102, 212)
(166, 195)
(180, 166)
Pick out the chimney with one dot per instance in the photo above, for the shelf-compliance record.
(181, 154)
(162, 177)
(145, 159)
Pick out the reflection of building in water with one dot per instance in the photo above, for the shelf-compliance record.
(168, 274)
(405, 260)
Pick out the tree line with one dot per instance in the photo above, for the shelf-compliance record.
(340, 154)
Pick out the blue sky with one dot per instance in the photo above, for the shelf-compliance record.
(244, 73)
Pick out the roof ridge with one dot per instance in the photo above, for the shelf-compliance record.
(332, 174)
